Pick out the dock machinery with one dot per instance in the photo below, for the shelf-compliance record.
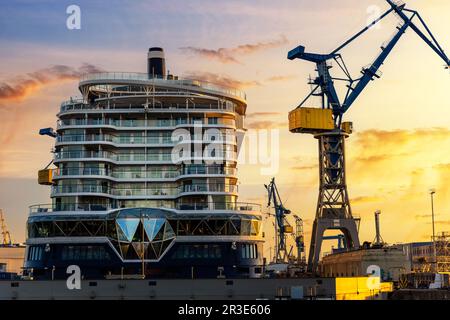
(6, 235)
(325, 123)
(282, 226)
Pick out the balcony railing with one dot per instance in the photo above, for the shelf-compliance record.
(148, 191)
(113, 156)
(208, 188)
(68, 106)
(235, 206)
(181, 83)
(132, 123)
(114, 139)
(152, 174)
(213, 206)
(136, 139)
(164, 157)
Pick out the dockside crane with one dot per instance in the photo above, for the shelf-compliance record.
(299, 240)
(326, 123)
(282, 226)
(6, 235)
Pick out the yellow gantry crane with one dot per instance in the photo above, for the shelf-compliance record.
(6, 236)
(325, 123)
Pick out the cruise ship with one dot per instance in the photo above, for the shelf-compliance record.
(144, 182)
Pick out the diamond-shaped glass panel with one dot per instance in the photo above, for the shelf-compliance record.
(128, 227)
(149, 226)
(140, 248)
(152, 227)
(168, 232)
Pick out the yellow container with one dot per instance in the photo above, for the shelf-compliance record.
(311, 120)
(361, 288)
(288, 229)
(45, 176)
(347, 127)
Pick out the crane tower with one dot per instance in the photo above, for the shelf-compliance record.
(326, 125)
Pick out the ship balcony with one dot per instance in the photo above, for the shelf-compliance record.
(220, 206)
(189, 172)
(175, 83)
(135, 140)
(116, 193)
(219, 188)
(102, 106)
(144, 124)
(114, 140)
(136, 175)
(109, 156)
(225, 156)
(149, 192)
(238, 207)
(136, 158)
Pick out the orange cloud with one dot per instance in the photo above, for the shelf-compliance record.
(306, 167)
(23, 86)
(266, 124)
(228, 55)
(262, 114)
(365, 199)
(221, 80)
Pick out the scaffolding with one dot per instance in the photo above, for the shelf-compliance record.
(443, 252)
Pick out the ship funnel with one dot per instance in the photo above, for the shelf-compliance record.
(156, 63)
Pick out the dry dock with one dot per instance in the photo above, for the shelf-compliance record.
(173, 289)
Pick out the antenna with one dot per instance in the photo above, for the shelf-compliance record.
(378, 239)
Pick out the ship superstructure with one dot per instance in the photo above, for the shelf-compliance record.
(146, 182)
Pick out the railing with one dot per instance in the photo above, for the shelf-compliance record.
(47, 208)
(67, 106)
(235, 206)
(182, 83)
(148, 191)
(213, 206)
(141, 123)
(216, 187)
(164, 157)
(118, 139)
(209, 170)
(152, 174)
(136, 139)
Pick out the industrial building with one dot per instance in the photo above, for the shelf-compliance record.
(393, 261)
(12, 258)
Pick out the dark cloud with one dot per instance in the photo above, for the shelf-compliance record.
(229, 55)
(22, 86)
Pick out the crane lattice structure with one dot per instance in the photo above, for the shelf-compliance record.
(325, 123)
(6, 236)
(282, 226)
(299, 240)
(443, 252)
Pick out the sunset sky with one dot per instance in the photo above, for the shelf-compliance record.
(401, 144)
